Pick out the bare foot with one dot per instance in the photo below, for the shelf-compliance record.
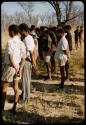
(33, 90)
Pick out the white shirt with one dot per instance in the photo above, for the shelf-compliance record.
(16, 47)
(36, 44)
(29, 43)
(62, 45)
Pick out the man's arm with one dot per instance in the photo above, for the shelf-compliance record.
(32, 55)
(21, 66)
(12, 63)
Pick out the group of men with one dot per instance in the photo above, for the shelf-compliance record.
(24, 47)
(19, 60)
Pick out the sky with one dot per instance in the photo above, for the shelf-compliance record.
(39, 8)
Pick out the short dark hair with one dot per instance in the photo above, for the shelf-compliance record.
(24, 26)
(60, 31)
(32, 27)
(81, 26)
(13, 28)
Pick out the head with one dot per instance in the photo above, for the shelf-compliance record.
(60, 33)
(32, 27)
(13, 30)
(77, 27)
(81, 27)
(46, 32)
(23, 30)
(67, 28)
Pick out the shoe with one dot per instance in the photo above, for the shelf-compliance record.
(13, 111)
(66, 77)
(60, 86)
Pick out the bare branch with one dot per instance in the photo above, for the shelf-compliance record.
(73, 17)
(51, 2)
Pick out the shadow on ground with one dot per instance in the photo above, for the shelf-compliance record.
(69, 89)
(31, 118)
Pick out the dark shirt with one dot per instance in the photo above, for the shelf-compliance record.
(76, 33)
(69, 39)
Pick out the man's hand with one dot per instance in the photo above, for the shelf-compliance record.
(34, 66)
(65, 52)
(17, 71)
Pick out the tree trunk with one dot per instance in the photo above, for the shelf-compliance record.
(58, 14)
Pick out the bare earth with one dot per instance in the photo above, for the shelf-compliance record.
(48, 104)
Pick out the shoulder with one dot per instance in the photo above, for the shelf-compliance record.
(29, 37)
(10, 41)
(64, 39)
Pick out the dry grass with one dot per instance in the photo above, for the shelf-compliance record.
(4, 39)
(50, 105)
(43, 107)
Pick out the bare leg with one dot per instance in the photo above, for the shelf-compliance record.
(49, 70)
(62, 76)
(4, 94)
(67, 70)
(16, 92)
(80, 41)
(76, 45)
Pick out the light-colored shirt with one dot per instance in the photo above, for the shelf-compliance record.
(29, 43)
(36, 44)
(16, 47)
(62, 45)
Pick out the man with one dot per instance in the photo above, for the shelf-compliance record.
(67, 29)
(46, 44)
(81, 36)
(35, 37)
(12, 67)
(69, 39)
(76, 37)
(53, 47)
(61, 55)
(29, 62)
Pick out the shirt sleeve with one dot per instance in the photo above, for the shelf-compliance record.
(64, 44)
(10, 48)
(29, 42)
(23, 50)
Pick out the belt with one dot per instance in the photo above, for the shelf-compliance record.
(27, 59)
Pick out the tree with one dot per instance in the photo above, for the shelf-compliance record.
(28, 8)
(34, 20)
(69, 13)
(56, 6)
(69, 9)
(42, 17)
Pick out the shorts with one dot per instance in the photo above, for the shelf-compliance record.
(9, 74)
(48, 65)
(61, 60)
(47, 58)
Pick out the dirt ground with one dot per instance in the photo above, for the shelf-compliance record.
(48, 104)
